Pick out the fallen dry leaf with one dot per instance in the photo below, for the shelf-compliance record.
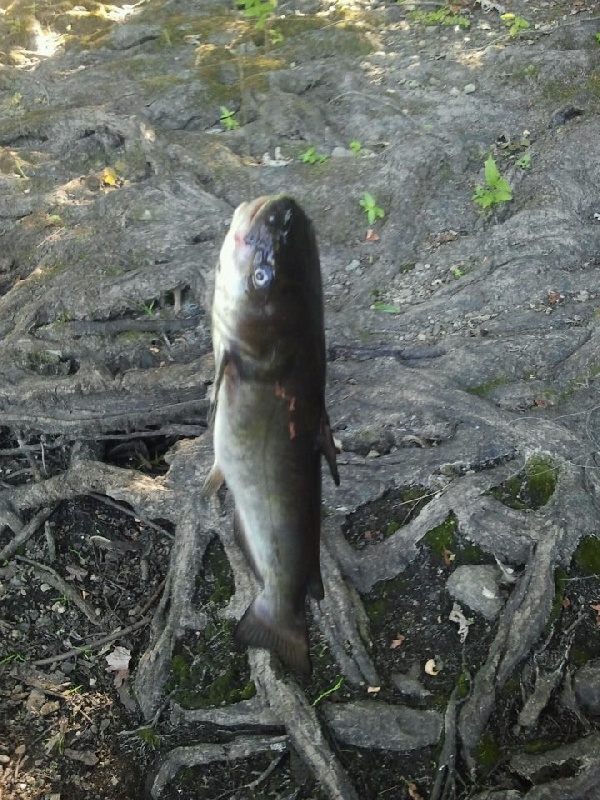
(371, 236)
(431, 667)
(118, 660)
(373, 689)
(397, 641)
(596, 608)
(413, 792)
(448, 557)
(85, 756)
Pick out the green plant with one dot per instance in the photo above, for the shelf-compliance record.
(12, 658)
(386, 308)
(148, 308)
(355, 146)
(496, 190)
(457, 272)
(598, 38)
(310, 156)
(337, 685)
(443, 16)
(149, 737)
(227, 119)
(525, 161)
(260, 10)
(514, 24)
(371, 209)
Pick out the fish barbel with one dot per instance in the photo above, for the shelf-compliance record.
(271, 426)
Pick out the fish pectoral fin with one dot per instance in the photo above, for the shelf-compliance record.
(220, 367)
(327, 446)
(287, 637)
(214, 481)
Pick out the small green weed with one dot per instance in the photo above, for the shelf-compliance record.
(228, 120)
(371, 209)
(148, 308)
(525, 161)
(259, 10)
(457, 272)
(13, 658)
(310, 156)
(443, 16)
(598, 38)
(149, 737)
(337, 685)
(496, 190)
(386, 308)
(515, 25)
(355, 146)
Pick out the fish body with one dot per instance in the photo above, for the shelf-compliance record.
(271, 426)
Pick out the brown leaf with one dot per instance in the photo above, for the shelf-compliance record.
(371, 236)
(373, 689)
(413, 792)
(449, 557)
(596, 608)
(397, 641)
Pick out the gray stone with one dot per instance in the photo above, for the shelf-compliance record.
(587, 687)
(409, 686)
(382, 726)
(477, 587)
(124, 37)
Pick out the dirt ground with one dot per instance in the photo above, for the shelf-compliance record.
(79, 594)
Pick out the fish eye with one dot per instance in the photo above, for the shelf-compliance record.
(261, 277)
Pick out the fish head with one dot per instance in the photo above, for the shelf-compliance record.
(269, 277)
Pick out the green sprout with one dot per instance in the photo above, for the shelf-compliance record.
(12, 658)
(337, 685)
(355, 146)
(443, 16)
(371, 209)
(310, 156)
(496, 190)
(386, 308)
(514, 24)
(260, 10)
(227, 119)
(525, 161)
(148, 308)
(458, 272)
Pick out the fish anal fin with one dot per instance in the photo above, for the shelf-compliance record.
(214, 481)
(239, 534)
(327, 446)
(287, 637)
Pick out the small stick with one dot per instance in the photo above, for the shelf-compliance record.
(25, 533)
(42, 662)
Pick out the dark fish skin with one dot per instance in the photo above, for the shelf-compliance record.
(271, 426)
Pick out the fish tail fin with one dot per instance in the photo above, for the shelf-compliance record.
(287, 636)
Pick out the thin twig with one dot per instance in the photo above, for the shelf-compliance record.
(25, 533)
(54, 579)
(93, 645)
(135, 514)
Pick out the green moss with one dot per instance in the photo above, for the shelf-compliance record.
(488, 752)
(483, 389)
(531, 488)
(443, 16)
(382, 597)
(211, 673)
(149, 737)
(470, 553)
(443, 537)
(344, 39)
(587, 555)
(392, 527)
(593, 83)
(541, 474)
(579, 656)
(404, 268)
(463, 685)
(540, 746)
(558, 91)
